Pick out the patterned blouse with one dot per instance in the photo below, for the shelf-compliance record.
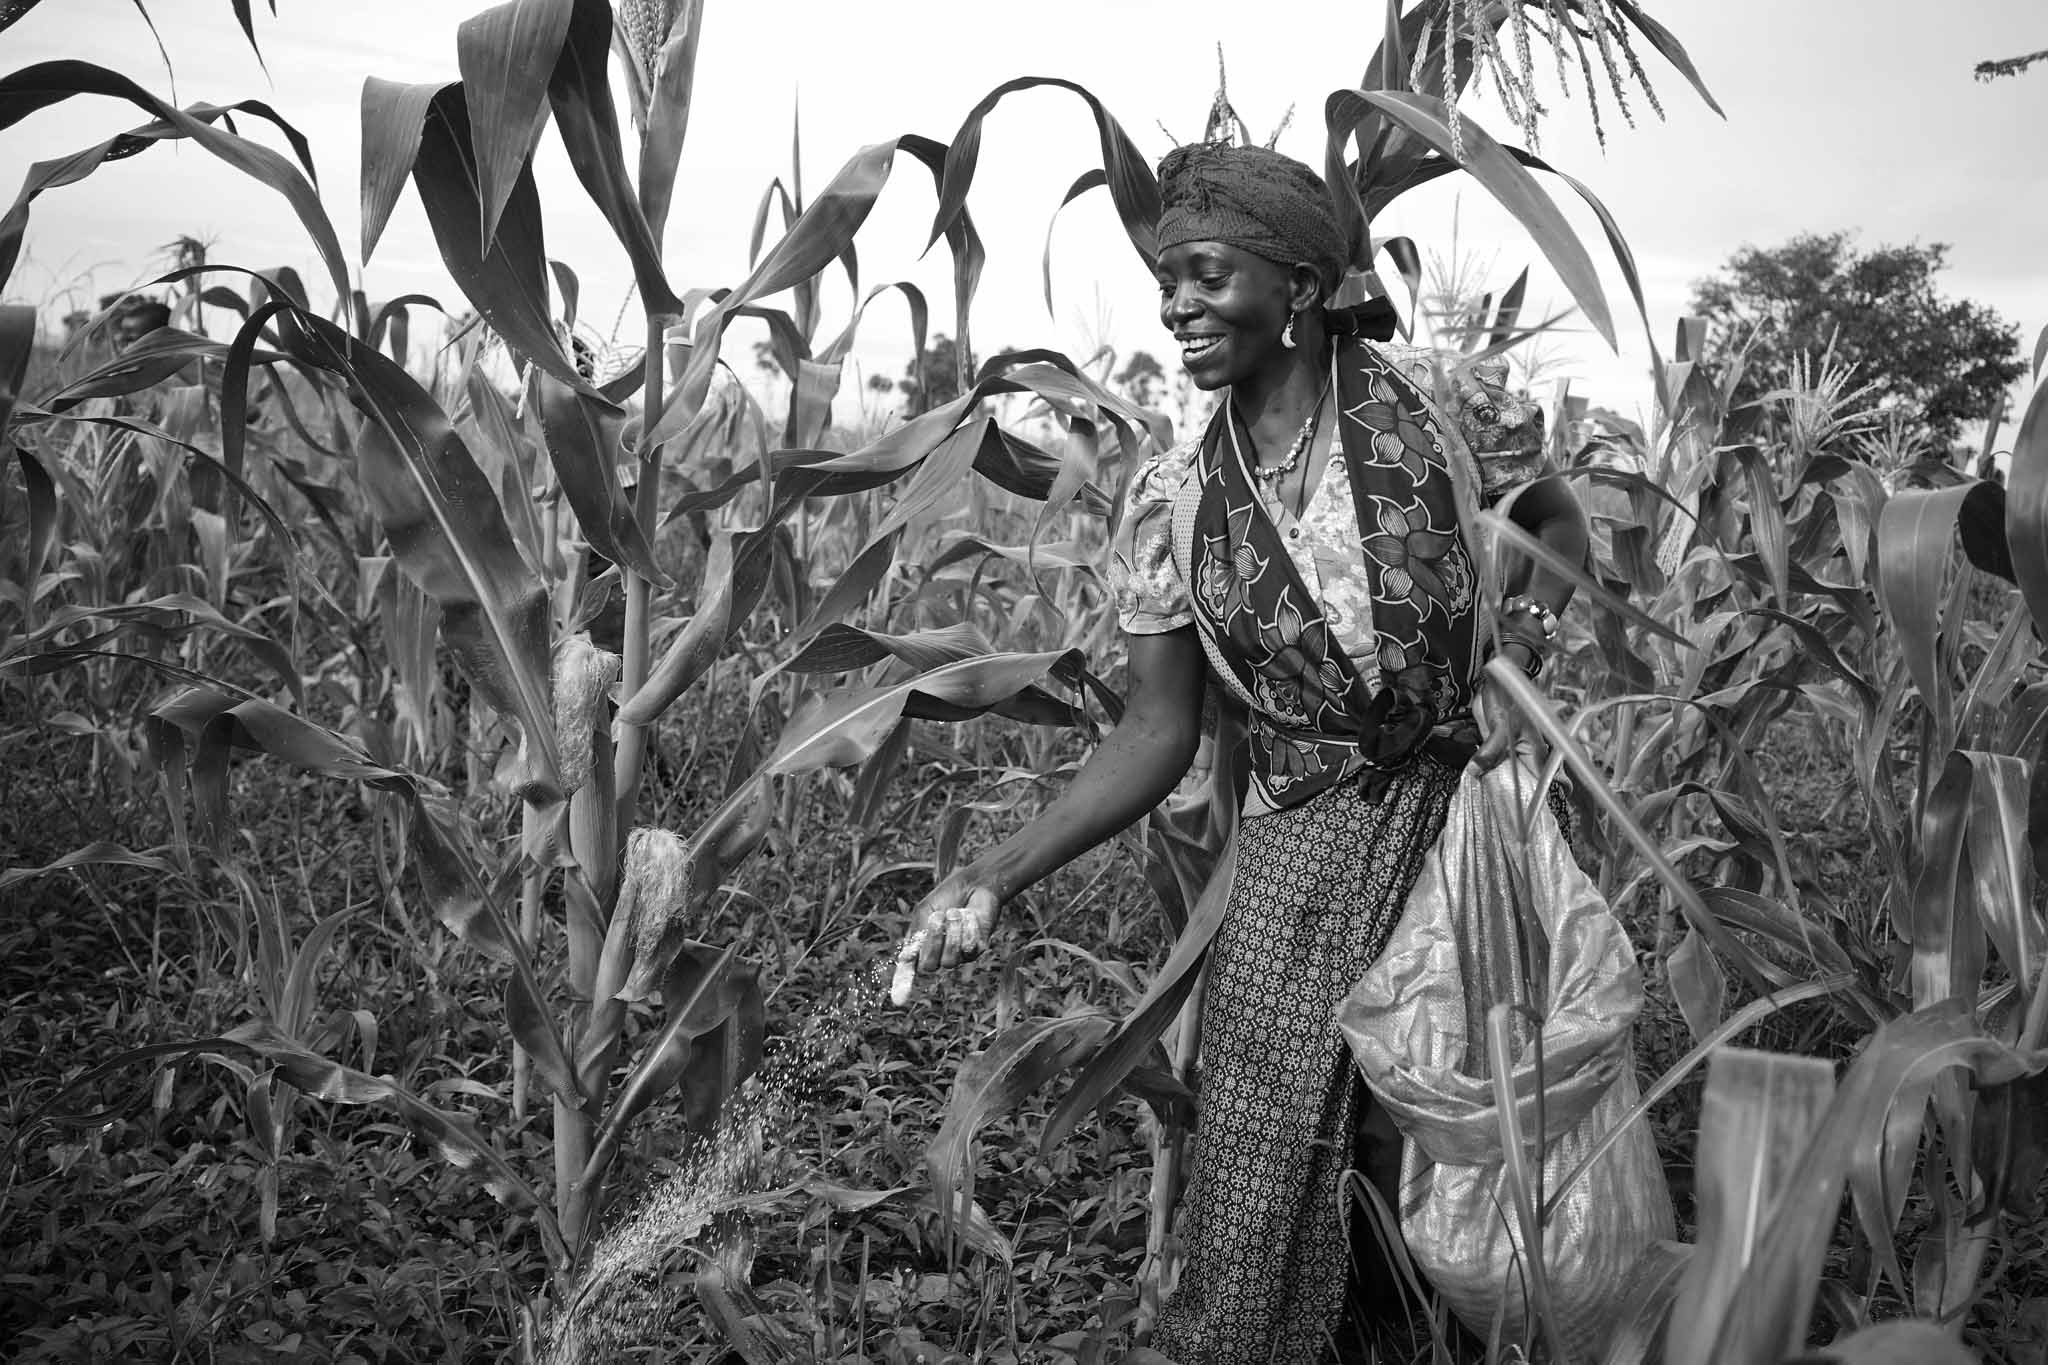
(1503, 433)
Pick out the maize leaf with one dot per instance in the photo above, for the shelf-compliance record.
(736, 576)
(1766, 520)
(1535, 709)
(1669, 48)
(2002, 877)
(1061, 556)
(776, 192)
(871, 788)
(100, 854)
(410, 621)
(1647, 1295)
(585, 456)
(1131, 184)
(812, 386)
(913, 298)
(673, 83)
(1874, 1111)
(1948, 1264)
(818, 236)
(1149, 1019)
(2026, 513)
(508, 281)
(1787, 927)
(1996, 678)
(1509, 535)
(167, 619)
(1519, 1171)
(394, 115)
(842, 648)
(147, 363)
(1501, 330)
(17, 347)
(41, 492)
(581, 95)
(46, 83)
(1088, 180)
(992, 1083)
(837, 729)
(1901, 1342)
(2010, 1144)
(1698, 984)
(449, 534)
(963, 242)
(506, 55)
(220, 722)
(454, 1136)
(473, 912)
(393, 320)
(704, 991)
(1948, 938)
(1489, 164)
(1735, 1024)
(2026, 719)
(1758, 1114)
(1915, 549)
(1980, 528)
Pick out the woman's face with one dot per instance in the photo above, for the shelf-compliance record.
(1226, 307)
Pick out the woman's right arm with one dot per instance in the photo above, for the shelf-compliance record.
(1130, 772)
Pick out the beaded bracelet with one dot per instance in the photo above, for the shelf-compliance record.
(1524, 605)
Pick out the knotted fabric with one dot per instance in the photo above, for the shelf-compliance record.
(1252, 198)
(1313, 720)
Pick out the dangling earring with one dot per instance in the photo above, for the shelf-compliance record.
(1287, 334)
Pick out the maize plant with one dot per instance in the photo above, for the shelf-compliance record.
(1782, 582)
(487, 523)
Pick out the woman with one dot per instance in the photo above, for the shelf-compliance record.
(1304, 553)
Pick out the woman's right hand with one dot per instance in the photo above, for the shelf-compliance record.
(949, 926)
(1129, 773)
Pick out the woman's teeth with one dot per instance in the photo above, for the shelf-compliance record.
(1196, 346)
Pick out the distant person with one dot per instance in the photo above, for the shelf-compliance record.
(137, 320)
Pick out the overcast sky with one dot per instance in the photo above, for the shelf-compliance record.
(1857, 114)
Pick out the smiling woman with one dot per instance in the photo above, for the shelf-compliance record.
(1232, 299)
(1307, 546)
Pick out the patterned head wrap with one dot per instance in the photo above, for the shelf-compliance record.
(1252, 198)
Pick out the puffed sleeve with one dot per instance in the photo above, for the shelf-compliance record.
(1143, 577)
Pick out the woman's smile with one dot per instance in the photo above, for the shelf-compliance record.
(1197, 347)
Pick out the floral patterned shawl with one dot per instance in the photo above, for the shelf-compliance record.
(1314, 719)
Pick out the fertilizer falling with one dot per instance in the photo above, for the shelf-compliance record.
(619, 1302)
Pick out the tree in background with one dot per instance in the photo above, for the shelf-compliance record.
(1941, 361)
(2009, 66)
(935, 380)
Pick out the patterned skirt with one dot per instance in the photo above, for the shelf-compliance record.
(1318, 890)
